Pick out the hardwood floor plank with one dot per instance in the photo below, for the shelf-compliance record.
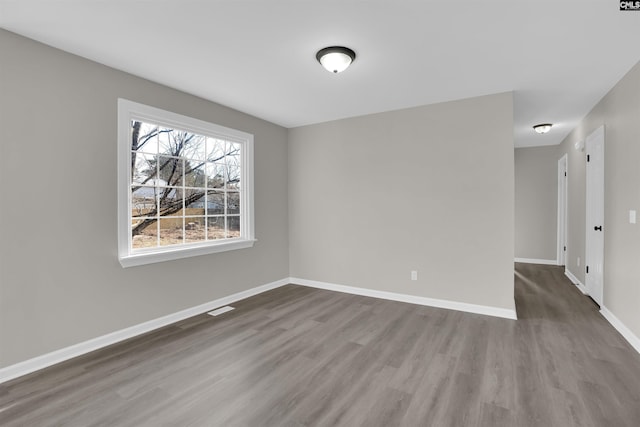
(388, 410)
(494, 415)
(497, 385)
(428, 406)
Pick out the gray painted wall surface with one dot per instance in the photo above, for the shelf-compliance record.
(429, 189)
(619, 111)
(60, 280)
(536, 197)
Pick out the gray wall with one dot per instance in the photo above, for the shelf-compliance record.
(536, 196)
(429, 189)
(619, 111)
(60, 280)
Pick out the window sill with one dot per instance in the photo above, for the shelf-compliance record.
(182, 252)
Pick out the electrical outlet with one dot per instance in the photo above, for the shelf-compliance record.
(578, 262)
(414, 275)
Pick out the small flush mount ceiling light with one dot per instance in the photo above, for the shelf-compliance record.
(542, 127)
(335, 59)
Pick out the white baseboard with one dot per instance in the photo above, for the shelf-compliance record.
(576, 282)
(431, 302)
(40, 362)
(537, 261)
(620, 327)
(615, 322)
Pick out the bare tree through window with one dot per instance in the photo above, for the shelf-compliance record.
(185, 187)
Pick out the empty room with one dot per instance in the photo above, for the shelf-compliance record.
(305, 213)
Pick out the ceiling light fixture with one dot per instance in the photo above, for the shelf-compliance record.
(335, 59)
(543, 127)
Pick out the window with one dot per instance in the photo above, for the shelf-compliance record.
(185, 186)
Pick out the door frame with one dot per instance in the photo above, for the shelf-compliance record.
(563, 197)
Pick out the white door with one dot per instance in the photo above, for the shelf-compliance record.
(595, 215)
(562, 211)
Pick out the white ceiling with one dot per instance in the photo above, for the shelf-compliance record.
(258, 56)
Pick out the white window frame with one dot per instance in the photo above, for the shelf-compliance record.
(128, 111)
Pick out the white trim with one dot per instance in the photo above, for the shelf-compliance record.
(537, 261)
(129, 110)
(221, 310)
(28, 366)
(621, 327)
(412, 299)
(184, 252)
(40, 362)
(575, 281)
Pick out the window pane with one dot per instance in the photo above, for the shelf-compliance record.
(233, 154)
(194, 229)
(168, 140)
(194, 147)
(233, 227)
(195, 174)
(143, 201)
(144, 168)
(170, 171)
(147, 137)
(144, 234)
(171, 231)
(233, 203)
(215, 203)
(195, 201)
(233, 177)
(215, 150)
(216, 175)
(215, 227)
(170, 201)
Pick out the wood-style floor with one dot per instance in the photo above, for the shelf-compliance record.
(298, 356)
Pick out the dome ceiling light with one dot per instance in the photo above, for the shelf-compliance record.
(335, 59)
(542, 127)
